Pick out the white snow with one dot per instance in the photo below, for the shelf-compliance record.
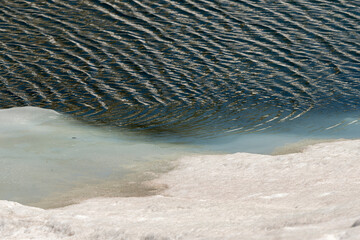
(314, 194)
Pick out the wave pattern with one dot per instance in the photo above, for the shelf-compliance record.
(181, 67)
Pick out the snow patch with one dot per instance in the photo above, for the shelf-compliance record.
(209, 197)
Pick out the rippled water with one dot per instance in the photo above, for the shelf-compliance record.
(198, 67)
(225, 75)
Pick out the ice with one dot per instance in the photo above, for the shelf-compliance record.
(218, 197)
(308, 190)
(46, 155)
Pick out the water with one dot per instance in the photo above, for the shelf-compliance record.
(196, 76)
(45, 154)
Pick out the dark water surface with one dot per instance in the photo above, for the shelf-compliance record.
(182, 68)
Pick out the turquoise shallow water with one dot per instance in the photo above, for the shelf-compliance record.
(141, 80)
(44, 153)
(50, 160)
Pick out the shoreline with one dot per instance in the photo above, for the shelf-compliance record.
(306, 195)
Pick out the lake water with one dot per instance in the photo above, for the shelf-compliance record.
(117, 84)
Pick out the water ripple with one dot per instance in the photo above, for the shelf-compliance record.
(194, 67)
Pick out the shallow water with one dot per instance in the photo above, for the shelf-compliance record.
(44, 153)
(149, 80)
(51, 160)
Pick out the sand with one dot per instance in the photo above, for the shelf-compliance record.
(314, 194)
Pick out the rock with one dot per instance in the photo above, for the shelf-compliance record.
(356, 223)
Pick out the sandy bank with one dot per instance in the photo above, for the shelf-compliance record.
(314, 194)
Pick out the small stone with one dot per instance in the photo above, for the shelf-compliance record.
(356, 223)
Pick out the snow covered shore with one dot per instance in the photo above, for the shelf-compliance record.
(314, 194)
